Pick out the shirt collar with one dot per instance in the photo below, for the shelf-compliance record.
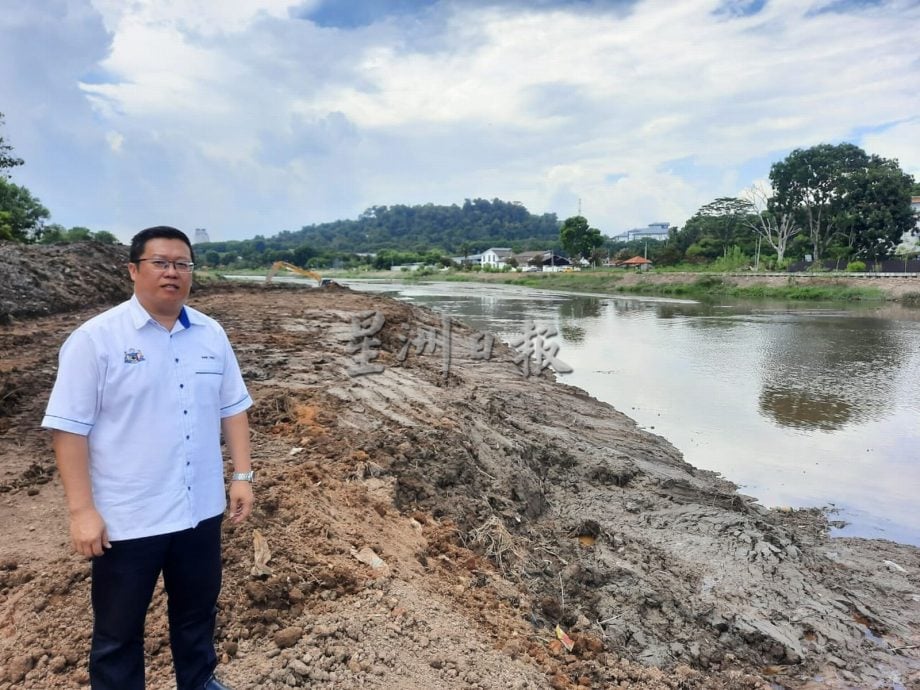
(140, 317)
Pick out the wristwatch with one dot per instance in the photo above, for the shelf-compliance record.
(242, 476)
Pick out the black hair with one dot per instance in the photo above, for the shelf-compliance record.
(139, 241)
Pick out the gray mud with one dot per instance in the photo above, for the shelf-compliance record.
(610, 530)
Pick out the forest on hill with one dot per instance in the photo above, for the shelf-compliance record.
(398, 230)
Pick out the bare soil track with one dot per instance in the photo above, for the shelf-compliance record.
(417, 530)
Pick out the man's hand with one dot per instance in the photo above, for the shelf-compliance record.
(87, 528)
(88, 533)
(241, 500)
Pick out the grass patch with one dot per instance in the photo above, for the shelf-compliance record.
(713, 286)
(698, 287)
(581, 281)
(207, 276)
(911, 299)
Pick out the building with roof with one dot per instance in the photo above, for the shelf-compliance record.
(496, 257)
(639, 262)
(544, 260)
(468, 260)
(910, 242)
(654, 231)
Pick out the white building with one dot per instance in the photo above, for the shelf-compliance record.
(496, 257)
(910, 244)
(654, 231)
(468, 260)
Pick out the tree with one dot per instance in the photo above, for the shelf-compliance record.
(810, 183)
(578, 238)
(53, 233)
(7, 160)
(105, 237)
(78, 234)
(722, 218)
(775, 226)
(852, 204)
(21, 215)
(877, 211)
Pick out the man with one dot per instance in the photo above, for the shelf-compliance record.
(142, 395)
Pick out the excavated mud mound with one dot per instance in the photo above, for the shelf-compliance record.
(430, 526)
(49, 279)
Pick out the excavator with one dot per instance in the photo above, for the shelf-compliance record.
(279, 265)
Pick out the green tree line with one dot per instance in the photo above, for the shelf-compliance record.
(827, 203)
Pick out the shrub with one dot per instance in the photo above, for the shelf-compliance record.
(911, 299)
(733, 260)
(856, 267)
(708, 282)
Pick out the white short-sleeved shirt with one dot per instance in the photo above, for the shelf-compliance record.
(150, 403)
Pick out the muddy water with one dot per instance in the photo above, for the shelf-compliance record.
(798, 405)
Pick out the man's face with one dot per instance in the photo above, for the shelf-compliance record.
(162, 292)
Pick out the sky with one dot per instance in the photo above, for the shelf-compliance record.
(251, 117)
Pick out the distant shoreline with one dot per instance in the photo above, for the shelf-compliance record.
(806, 287)
(789, 286)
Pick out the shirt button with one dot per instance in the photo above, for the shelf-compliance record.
(184, 411)
(187, 438)
(181, 385)
(177, 359)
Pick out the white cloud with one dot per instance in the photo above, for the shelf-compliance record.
(299, 123)
(901, 141)
(116, 141)
(203, 17)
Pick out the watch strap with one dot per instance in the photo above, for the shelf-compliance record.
(242, 476)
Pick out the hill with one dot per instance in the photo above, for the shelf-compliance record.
(474, 226)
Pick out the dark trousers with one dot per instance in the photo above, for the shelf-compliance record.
(122, 587)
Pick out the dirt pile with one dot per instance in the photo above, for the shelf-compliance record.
(48, 279)
(430, 525)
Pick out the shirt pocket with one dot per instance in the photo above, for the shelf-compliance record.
(209, 374)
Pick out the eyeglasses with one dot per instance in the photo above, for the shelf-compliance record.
(163, 264)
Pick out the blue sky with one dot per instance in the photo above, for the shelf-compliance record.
(255, 116)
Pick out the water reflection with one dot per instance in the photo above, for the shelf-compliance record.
(575, 310)
(826, 373)
(800, 406)
(805, 409)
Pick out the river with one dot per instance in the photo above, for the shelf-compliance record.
(800, 405)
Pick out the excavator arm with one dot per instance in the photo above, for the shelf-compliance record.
(279, 265)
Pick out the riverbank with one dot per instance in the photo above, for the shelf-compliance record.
(430, 525)
(786, 286)
(798, 286)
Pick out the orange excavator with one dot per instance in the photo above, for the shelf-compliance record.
(279, 265)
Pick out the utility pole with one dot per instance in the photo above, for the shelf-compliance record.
(579, 206)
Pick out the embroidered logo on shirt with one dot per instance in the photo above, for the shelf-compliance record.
(133, 356)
